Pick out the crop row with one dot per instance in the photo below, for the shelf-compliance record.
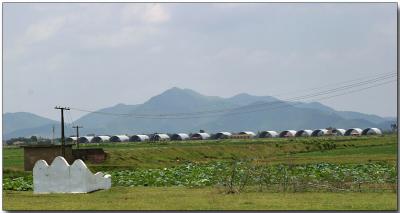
(238, 175)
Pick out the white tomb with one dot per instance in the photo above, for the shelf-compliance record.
(60, 177)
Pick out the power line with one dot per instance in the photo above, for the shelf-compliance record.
(233, 109)
(298, 98)
(317, 99)
(69, 123)
(377, 77)
(278, 105)
(332, 84)
(169, 116)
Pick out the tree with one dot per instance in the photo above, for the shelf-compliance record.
(34, 139)
(394, 127)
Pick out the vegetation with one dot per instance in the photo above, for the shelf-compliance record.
(31, 140)
(273, 169)
(206, 198)
(122, 156)
(241, 175)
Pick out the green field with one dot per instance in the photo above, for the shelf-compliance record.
(181, 198)
(152, 158)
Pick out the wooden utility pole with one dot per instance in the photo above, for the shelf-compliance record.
(62, 129)
(52, 139)
(77, 135)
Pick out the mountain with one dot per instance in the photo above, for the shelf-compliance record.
(357, 115)
(99, 122)
(211, 113)
(243, 99)
(172, 101)
(23, 120)
(43, 131)
(345, 114)
(282, 116)
(315, 105)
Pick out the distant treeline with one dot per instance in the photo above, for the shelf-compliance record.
(30, 140)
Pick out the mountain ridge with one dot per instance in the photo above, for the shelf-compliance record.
(224, 114)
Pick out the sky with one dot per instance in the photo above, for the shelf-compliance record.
(96, 55)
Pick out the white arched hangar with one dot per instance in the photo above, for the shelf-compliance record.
(249, 133)
(119, 138)
(304, 133)
(287, 133)
(139, 138)
(85, 139)
(353, 132)
(200, 136)
(223, 135)
(159, 137)
(180, 137)
(101, 139)
(268, 134)
(371, 131)
(71, 139)
(338, 132)
(319, 132)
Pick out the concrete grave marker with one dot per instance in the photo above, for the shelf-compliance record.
(60, 177)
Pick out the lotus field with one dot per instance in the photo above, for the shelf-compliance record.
(356, 167)
(242, 175)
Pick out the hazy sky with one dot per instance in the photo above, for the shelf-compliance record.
(94, 55)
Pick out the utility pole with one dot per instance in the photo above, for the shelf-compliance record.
(52, 139)
(77, 135)
(62, 129)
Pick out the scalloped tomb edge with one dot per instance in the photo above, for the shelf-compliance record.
(60, 177)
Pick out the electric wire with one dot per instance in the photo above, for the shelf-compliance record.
(170, 116)
(329, 85)
(385, 76)
(70, 124)
(223, 110)
(281, 105)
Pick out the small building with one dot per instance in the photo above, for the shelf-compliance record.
(304, 133)
(47, 152)
(338, 132)
(101, 139)
(287, 133)
(353, 132)
(159, 137)
(223, 135)
(139, 138)
(268, 134)
(249, 133)
(85, 139)
(180, 137)
(319, 132)
(119, 138)
(371, 131)
(93, 155)
(200, 136)
(18, 143)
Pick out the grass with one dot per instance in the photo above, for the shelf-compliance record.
(13, 158)
(356, 154)
(180, 198)
(386, 149)
(270, 151)
(340, 150)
